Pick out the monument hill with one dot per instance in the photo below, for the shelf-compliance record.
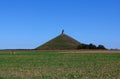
(61, 42)
(65, 42)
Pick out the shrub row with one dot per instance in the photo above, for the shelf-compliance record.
(90, 46)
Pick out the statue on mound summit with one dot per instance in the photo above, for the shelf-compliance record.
(62, 31)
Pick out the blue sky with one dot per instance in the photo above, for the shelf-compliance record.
(30, 23)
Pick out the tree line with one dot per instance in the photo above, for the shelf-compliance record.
(90, 46)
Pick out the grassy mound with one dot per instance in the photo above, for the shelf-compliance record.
(61, 42)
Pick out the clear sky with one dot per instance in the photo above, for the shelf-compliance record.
(30, 23)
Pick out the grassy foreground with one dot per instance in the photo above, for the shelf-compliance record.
(48, 65)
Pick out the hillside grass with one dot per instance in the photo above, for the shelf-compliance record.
(61, 42)
(54, 65)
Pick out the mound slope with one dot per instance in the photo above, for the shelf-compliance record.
(61, 42)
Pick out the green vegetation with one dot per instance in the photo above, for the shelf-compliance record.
(90, 46)
(61, 42)
(55, 65)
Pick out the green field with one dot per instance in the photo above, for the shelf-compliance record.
(56, 65)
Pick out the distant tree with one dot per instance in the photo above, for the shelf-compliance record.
(83, 46)
(92, 46)
(101, 47)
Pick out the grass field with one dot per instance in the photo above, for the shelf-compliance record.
(56, 65)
